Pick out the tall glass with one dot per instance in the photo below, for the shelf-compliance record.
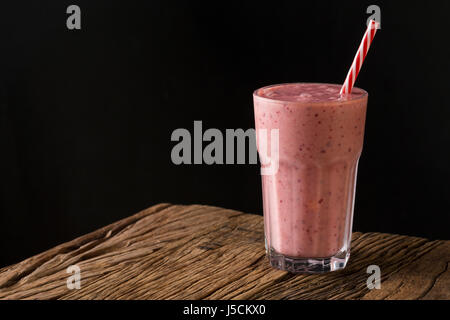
(308, 198)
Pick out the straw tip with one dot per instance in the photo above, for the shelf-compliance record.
(374, 24)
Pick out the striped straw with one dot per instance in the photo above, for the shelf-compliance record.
(359, 57)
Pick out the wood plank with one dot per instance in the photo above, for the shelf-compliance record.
(202, 252)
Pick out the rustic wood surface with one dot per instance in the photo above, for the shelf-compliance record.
(202, 252)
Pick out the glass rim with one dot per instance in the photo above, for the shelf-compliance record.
(363, 96)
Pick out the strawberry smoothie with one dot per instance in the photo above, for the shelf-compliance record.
(308, 202)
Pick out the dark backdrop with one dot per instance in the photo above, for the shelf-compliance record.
(86, 116)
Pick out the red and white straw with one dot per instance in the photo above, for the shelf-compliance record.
(359, 57)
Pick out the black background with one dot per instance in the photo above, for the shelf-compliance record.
(86, 115)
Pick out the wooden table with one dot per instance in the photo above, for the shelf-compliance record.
(202, 252)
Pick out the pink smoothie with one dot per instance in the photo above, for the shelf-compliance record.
(308, 203)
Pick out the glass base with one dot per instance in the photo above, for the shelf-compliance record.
(308, 265)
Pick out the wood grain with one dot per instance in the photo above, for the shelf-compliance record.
(202, 252)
